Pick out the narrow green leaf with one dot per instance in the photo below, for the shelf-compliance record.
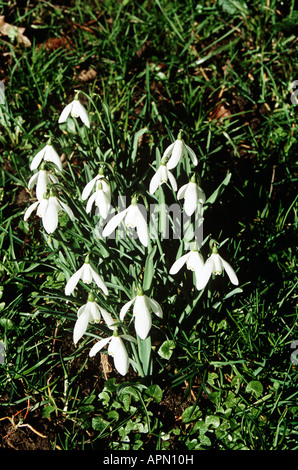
(219, 190)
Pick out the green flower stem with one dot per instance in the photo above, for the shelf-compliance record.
(137, 360)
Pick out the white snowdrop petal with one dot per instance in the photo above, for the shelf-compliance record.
(131, 216)
(204, 276)
(182, 191)
(168, 151)
(88, 188)
(179, 263)
(68, 210)
(79, 111)
(30, 209)
(192, 155)
(52, 156)
(73, 280)
(42, 182)
(217, 263)
(75, 109)
(81, 310)
(142, 228)
(155, 182)
(172, 181)
(177, 153)
(90, 203)
(163, 174)
(50, 216)
(37, 159)
(99, 282)
(99, 345)
(190, 199)
(155, 307)
(106, 316)
(94, 311)
(142, 316)
(102, 202)
(125, 308)
(84, 115)
(42, 207)
(33, 180)
(195, 261)
(113, 223)
(65, 113)
(81, 326)
(53, 178)
(230, 272)
(120, 356)
(86, 275)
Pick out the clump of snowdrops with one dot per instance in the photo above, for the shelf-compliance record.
(127, 322)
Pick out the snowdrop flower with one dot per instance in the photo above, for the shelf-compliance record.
(49, 209)
(91, 312)
(42, 179)
(192, 194)
(178, 150)
(194, 262)
(142, 307)
(116, 349)
(101, 197)
(193, 259)
(47, 154)
(215, 264)
(75, 109)
(87, 274)
(133, 218)
(161, 176)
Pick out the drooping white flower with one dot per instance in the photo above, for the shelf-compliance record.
(101, 197)
(142, 308)
(47, 154)
(215, 264)
(194, 262)
(75, 109)
(42, 179)
(116, 349)
(49, 209)
(133, 218)
(192, 194)
(176, 151)
(87, 274)
(161, 176)
(90, 312)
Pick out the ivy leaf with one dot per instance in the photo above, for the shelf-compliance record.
(191, 413)
(234, 6)
(99, 424)
(155, 392)
(166, 349)
(212, 420)
(5, 322)
(255, 388)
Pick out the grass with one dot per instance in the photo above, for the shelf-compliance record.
(222, 375)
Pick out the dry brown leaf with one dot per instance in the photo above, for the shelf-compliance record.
(220, 112)
(106, 366)
(51, 44)
(87, 75)
(13, 32)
